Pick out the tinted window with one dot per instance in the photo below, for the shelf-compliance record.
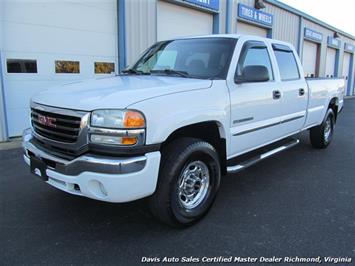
(21, 66)
(287, 64)
(254, 55)
(205, 58)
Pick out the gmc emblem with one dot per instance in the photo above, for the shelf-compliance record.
(46, 121)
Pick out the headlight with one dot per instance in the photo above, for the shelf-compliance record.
(117, 127)
(117, 119)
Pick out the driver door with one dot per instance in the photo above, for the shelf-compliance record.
(255, 106)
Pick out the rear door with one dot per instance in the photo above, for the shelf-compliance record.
(254, 108)
(294, 90)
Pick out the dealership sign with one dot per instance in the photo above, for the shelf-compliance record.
(313, 35)
(211, 4)
(332, 42)
(349, 47)
(254, 15)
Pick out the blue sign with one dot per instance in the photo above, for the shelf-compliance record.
(211, 4)
(332, 42)
(254, 15)
(349, 47)
(313, 35)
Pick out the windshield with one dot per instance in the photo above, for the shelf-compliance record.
(204, 58)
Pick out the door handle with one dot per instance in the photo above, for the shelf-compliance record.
(301, 92)
(276, 95)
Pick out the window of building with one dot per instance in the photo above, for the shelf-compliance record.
(21, 66)
(104, 68)
(254, 54)
(286, 62)
(62, 66)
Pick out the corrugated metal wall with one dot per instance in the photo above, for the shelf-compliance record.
(141, 27)
(222, 15)
(285, 26)
(323, 48)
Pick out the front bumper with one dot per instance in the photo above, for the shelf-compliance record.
(113, 179)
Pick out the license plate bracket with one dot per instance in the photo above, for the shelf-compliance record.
(38, 168)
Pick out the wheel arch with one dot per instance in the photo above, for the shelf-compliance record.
(334, 105)
(212, 132)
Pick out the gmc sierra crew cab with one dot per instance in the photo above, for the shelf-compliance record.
(187, 112)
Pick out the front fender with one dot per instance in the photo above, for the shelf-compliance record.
(168, 113)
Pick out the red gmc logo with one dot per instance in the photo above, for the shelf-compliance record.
(46, 121)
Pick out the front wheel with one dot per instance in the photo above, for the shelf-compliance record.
(322, 135)
(188, 182)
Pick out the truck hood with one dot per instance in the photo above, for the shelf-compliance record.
(115, 92)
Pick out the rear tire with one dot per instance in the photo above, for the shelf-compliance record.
(189, 179)
(322, 135)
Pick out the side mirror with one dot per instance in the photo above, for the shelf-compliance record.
(254, 73)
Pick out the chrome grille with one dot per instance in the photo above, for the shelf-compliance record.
(54, 126)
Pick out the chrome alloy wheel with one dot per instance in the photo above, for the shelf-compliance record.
(193, 184)
(327, 129)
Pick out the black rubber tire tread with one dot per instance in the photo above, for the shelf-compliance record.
(316, 134)
(174, 156)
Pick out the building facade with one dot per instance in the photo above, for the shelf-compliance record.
(44, 44)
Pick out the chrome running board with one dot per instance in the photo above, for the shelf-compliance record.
(260, 157)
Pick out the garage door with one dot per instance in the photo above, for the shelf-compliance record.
(330, 63)
(51, 43)
(177, 21)
(248, 29)
(346, 70)
(309, 58)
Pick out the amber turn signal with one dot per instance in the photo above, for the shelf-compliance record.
(133, 119)
(129, 140)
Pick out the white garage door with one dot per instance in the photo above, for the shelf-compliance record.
(177, 21)
(330, 62)
(309, 58)
(346, 69)
(247, 29)
(42, 40)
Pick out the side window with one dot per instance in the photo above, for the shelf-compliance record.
(255, 53)
(287, 62)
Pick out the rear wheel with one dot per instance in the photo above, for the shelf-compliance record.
(322, 135)
(188, 182)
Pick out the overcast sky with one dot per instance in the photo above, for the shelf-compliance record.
(338, 13)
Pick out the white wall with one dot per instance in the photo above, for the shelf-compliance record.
(84, 31)
(175, 21)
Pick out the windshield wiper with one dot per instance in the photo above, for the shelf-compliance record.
(169, 71)
(134, 71)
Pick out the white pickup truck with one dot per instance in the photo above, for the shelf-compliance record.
(188, 111)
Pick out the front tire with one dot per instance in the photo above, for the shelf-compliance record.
(189, 179)
(322, 135)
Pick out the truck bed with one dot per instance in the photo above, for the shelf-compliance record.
(321, 91)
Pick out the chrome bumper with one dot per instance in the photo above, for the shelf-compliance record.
(90, 163)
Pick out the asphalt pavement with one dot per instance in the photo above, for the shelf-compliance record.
(298, 203)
